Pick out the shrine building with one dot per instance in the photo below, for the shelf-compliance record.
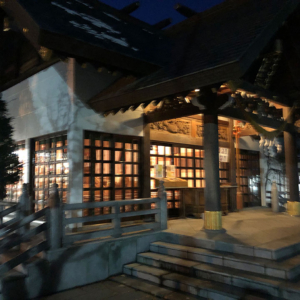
(106, 105)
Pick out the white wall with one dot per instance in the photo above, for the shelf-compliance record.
(54, 100)
(44, 104)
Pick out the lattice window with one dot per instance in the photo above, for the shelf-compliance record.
(189, 162)
(14, 191)
(111, 169)
(50, 166)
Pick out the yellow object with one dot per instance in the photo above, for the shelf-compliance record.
(293, 208)
(213, 220)
(172, 182)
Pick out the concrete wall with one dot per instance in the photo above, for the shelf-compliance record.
(45, 103)
(83, 264)
(54, 100)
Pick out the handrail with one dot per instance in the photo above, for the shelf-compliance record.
(14, 240)
(18, 230)
(8, 211)
(86, 205)
(115, 217)
(7, 203)
(9, 265)
(20, 223)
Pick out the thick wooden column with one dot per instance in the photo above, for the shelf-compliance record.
(291, 165)
(232, 167)
(212, 195)
(145, 171)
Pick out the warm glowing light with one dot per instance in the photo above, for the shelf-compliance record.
(197, 90)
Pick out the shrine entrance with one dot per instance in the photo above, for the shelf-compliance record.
(178, 144)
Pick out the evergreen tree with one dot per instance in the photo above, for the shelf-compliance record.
(9, 163)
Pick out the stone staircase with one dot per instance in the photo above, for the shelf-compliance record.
(17, 283)
(211, 274)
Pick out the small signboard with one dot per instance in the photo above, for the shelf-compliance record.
(159, 171)
(224, 155)
(171, 171)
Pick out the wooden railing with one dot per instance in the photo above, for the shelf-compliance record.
(6, 209)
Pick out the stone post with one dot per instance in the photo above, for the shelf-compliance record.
(291, 165)
(117, 220)
(212, 195)
(162, 216)
(274, 197)
(55, 219)
(24, 209)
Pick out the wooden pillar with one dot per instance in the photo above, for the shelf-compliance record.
(212, 195)
(291, 165)
(232, 167)
(145, 168)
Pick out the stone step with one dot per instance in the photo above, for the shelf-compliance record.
(286, 269)
(274, 250)
(152, 289)
(241, 279)
(5, 257)
(186, 284)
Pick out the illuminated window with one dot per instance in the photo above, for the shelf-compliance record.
(14, 191)
(51, 166)
(111, 169)
(189, 162)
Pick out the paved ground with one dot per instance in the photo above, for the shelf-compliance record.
(254, 227)
(99, 291)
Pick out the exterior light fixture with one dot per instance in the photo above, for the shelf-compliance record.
(197, 90)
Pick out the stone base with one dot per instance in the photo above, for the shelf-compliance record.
(213, 220)
(293, 208)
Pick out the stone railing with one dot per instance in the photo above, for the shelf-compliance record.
(114, 227)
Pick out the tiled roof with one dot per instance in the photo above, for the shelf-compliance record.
(218, 36)
(97, 24)
(226, 38)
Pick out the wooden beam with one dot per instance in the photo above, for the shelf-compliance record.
(184, 10)
(166, 88)
(131, 8)
(146, 160)
(172, 114)
(274, 97)
(234, 113)
(162, 24)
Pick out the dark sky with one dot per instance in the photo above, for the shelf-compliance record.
(153, 11)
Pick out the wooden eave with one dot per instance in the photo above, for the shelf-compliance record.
(77, 48)
(232, 70)
(166, 88)
(72, 47)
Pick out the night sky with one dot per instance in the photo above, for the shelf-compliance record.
(153, 11)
